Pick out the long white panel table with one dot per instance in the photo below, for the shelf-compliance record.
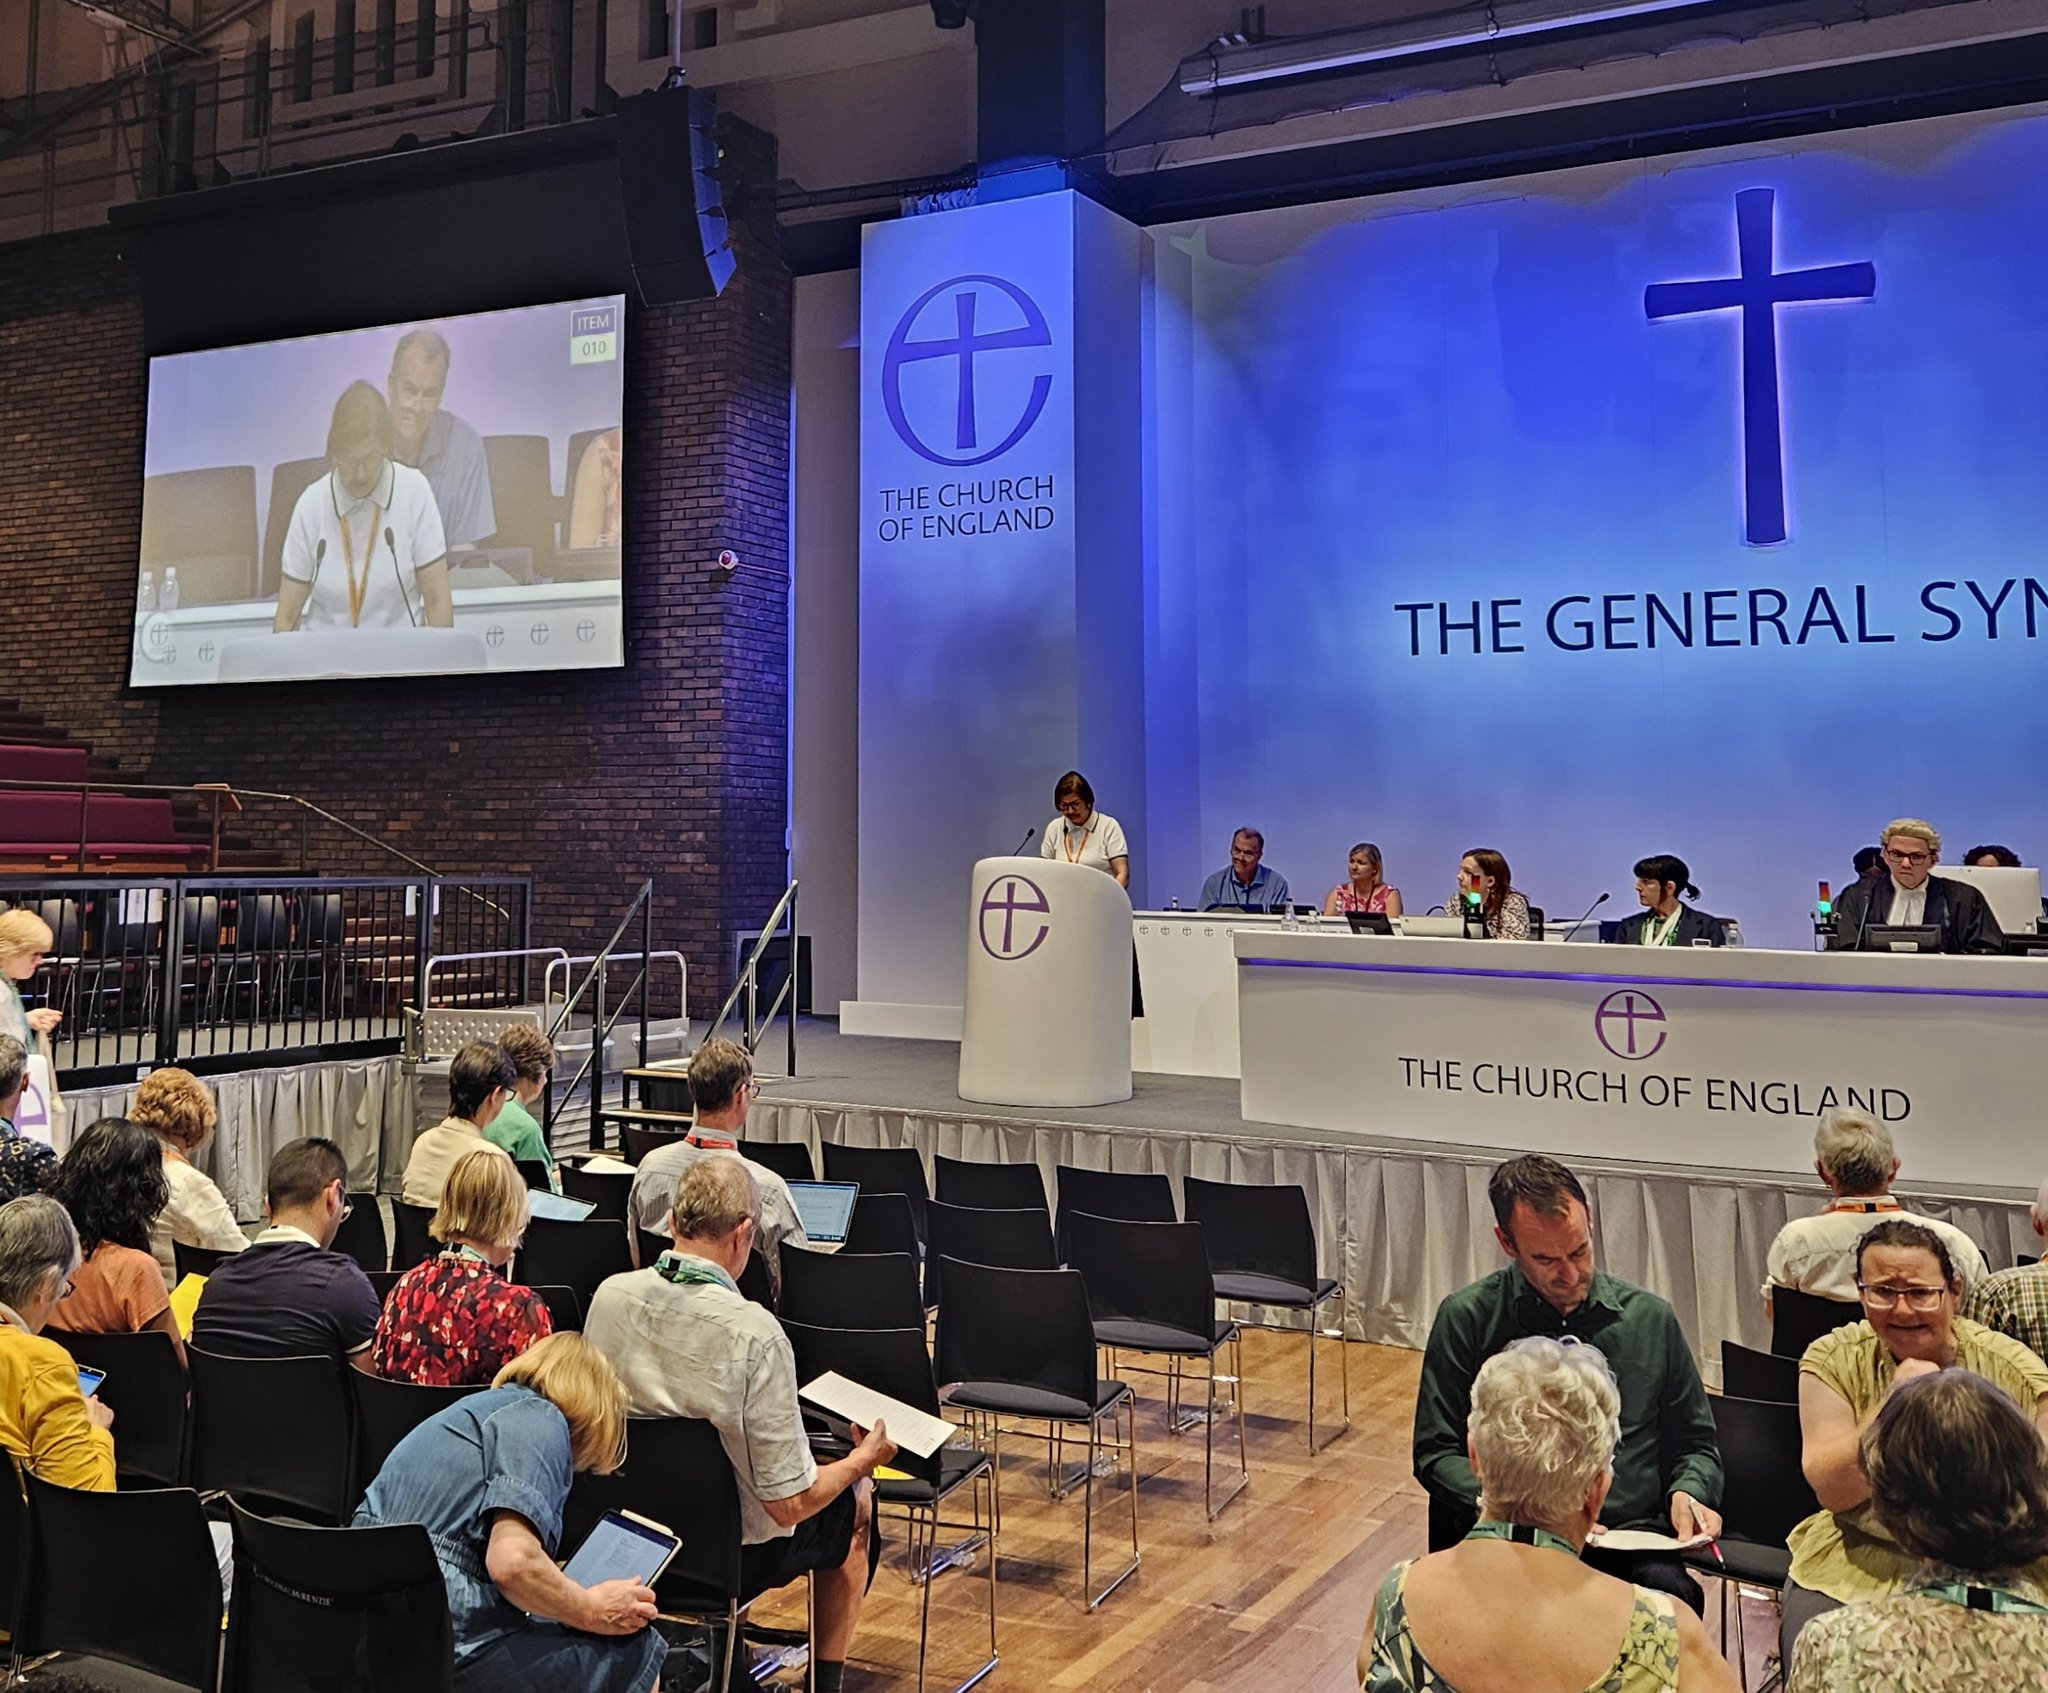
(1717, 1057)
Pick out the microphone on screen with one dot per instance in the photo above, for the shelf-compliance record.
(319, 557)
(1025, 842)
(1581, 923)
(391, 546)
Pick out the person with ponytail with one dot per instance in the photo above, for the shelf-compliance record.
(1666, 920)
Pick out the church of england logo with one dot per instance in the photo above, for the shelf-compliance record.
(1757, 290)
(986, 317)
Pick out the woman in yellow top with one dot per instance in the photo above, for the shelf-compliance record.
(52, 1429)
(1910, 1290)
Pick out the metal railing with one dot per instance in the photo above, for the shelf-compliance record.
(601, 1025)
(746, 987)
(222, 973)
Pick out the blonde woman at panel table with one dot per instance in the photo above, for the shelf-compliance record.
(365, 549)
(1082, 835)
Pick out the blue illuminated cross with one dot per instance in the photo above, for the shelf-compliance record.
(963, 346)
(1759, 291)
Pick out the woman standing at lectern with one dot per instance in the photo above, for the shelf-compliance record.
(1082, 835)
(1666, 920)
(1484, 872)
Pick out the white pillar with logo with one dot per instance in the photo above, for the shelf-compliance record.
(1047, 1019)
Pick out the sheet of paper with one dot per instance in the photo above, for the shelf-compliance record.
(1644, 1540)
(603, 1166)
(909, 1427)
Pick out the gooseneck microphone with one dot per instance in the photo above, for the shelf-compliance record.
(391, 547)
(1581, 923)
(1025, 842)
(312, 582)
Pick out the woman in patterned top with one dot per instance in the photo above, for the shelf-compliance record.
(1511, 1607)
(1367, 889)
(455, 1320)
(1957, 1473)
(1484, 872)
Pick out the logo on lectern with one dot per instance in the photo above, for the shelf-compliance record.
(1008, 910)
(1630, 1024)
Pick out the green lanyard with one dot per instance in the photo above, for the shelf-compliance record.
(685, 1271)
(1973, 1597)
(1522, 1534)
(1653, 936)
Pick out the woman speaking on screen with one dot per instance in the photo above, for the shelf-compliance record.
(365, 548)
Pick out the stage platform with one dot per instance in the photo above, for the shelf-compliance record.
(1401, 1222)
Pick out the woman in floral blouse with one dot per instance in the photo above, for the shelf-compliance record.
(455, 1320)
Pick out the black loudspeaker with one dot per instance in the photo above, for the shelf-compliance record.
(668, 183)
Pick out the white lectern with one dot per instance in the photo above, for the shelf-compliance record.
(314, 654)
(1048, 1013)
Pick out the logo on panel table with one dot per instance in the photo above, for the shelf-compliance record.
(1630, 1024)
(996, 339)
(1012, 916)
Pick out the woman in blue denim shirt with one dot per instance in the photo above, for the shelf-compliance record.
(488, 1477)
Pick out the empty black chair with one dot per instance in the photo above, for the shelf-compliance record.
(651, 1246)
(565, 1310)
(383, 1281)
(895, 1362)
(850, 1290)
(1149, 1290)
(411, 1244)
(361, 1235)
(14, 1543)
(638, 1141)
(145, 1389)
(988, 1187)
(1262, 1248)
(1749, 1374)
(608, 1191)
(1799, 1319)
(535, 1174)
(883, 1222)
(195, 1260)
(1011, 1240)
(881, 1169)
(1020, 1343)
(387, 1411)
(789, 1159)
(369, 1606)
(1109, 1193)
(167, 1625)
(756, 1283)
(1764, 1496)
(573, 1255)
(241, 1410)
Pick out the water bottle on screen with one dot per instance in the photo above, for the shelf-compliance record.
(1734, 930)
(145, 596)
(170, 595)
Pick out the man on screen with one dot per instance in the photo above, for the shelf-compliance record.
(364, 549)
(438, 443)
(1913, 897)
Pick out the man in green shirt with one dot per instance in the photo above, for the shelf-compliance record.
(1667, 1468)
(514, 1128)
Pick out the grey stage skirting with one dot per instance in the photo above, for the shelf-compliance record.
(1402, 1224)
(365, 1106)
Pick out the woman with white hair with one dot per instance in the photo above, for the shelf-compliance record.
(49, 1426)
(1511, 1607)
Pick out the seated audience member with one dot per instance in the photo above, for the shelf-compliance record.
(688, 1345)
(1245, 883)
(1486, 890)
(514, 1130)
(290, 1295)
(1912, 896)
(1852, 1153)
(178, 1108)
(488, 1476)
(480, 1080)
(112, 1183)
(455, 1319)
(437, 443)
(1665, 919)
(1667, 1467)
(2015, 1301)
(1958, 1477)
(1870, 865)
(26, 1166)
(52, 1429)
(24, 940)
(723, 1086)
(1992, 858)
(1512, 1606)
(1846, 1552)
(1366, 888)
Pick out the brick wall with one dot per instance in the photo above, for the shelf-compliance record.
(674, 768)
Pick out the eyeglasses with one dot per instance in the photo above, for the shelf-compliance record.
(1909, 857)
(1913, 1298)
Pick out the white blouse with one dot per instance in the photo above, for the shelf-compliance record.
(1095, 842)
(197, 1214)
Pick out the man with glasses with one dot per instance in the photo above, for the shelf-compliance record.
(1910, 1294)
(290, 1295)
(1912, 896)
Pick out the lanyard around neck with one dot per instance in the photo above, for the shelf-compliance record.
(1655, 936)
(685, 1271)
(1522, 1534)
(1067, 840)
(1974, 1596)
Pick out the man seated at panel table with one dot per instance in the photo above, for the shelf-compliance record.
(2015, 1301)
(1852, 1153)
(723, 1086)
(289, 1295)
(437, 443)
(1667, 1468)
(687, 1344)
(1245, 884)
(1914, 897)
